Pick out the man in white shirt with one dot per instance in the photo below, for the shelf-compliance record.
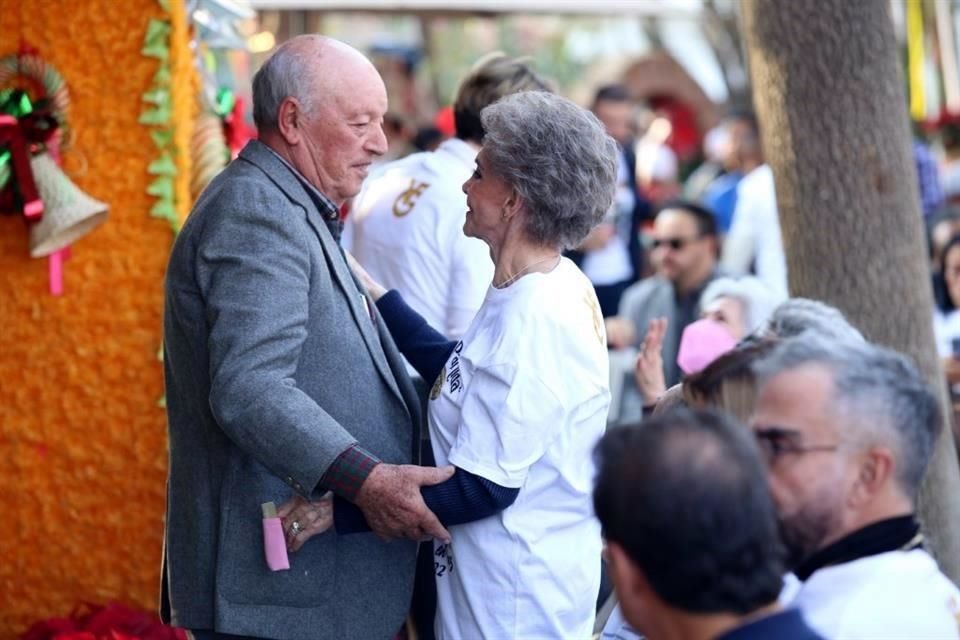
(754, 242)
(406, 225)
(847, 429)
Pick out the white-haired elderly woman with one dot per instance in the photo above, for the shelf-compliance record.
(520, 401)
(741, 306)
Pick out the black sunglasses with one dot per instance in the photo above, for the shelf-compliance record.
(674, 243)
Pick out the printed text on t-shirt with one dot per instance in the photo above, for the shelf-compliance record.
(454, 378)
(443, 560)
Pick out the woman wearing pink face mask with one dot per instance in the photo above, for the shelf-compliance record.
(732, 310)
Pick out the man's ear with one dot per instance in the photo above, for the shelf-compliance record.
(290, 120)
(627, 577)
(876, 470)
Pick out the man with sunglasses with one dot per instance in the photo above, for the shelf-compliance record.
(684, 253)
(847, 429)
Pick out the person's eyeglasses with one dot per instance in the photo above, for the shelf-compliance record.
(674, 243)
(776, 442)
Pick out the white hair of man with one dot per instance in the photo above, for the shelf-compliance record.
(799, 315)
(285, 74)
(757, 300)
(878, 394)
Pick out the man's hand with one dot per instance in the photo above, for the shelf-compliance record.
(391, 502)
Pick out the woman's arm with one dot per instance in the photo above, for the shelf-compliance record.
(423, 346)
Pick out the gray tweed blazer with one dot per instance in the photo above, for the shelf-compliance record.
(273, 367)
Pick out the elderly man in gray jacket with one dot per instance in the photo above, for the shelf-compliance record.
(280, 379)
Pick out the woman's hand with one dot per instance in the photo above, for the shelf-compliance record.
(303, 519)
(648, 371)
(374, 288)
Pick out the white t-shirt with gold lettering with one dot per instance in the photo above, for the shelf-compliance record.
(522, 401)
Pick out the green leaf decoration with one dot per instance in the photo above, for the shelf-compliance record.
(161, 137)
(157, 32)
(159, 115)
(159, 96)
(162, 188)
(164, 4)
(156, 50)
(162, 76)
(163, 209)
(163, 166)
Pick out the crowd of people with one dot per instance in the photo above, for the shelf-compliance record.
(527, 364)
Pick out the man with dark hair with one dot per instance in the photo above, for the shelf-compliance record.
(685, 256)
(691, 530)
(847, 429)
(611, 256)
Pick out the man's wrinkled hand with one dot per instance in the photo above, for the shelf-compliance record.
(391, 502)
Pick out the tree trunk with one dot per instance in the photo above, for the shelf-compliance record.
(830, 101)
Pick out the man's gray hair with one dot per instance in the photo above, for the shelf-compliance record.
(799, 315)
(757, 300)
(877, 393)
(559, 159)
(285, 74)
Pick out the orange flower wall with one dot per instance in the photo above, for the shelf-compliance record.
(82, 438)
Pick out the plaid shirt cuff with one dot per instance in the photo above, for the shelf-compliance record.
(347, 473)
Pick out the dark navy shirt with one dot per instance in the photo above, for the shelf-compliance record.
(785, 625)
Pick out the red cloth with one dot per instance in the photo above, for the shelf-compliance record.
(113, 621)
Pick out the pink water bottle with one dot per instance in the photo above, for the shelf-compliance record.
(274, 542)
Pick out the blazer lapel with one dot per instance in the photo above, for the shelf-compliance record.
(399, 367)
(258, 154)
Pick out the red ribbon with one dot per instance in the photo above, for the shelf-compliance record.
(14, 137)
(236, 129)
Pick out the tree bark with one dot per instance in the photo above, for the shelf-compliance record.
(830, 102)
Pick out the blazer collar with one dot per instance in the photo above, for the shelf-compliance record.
(284, 176)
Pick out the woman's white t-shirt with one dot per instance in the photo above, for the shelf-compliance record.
(522, 401)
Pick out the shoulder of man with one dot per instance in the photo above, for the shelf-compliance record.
(643, 292)
(895, 594)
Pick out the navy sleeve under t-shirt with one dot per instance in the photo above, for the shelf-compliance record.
(465, 497)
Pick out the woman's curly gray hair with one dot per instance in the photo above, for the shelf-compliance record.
(558, 158)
